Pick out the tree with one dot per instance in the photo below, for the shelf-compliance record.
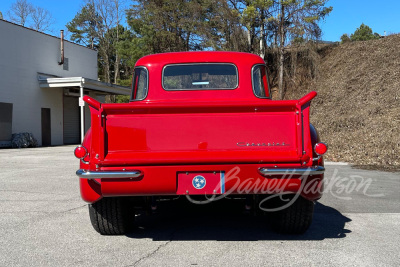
(363, 33)
(250, 21)
(223, 29)
(255, 16)
(175, 25)
(24, 13)
(294, 19)
(20, 11)
(130, 48)
(97, 26)
(83, 27)
(41, 19)
(1, 15)
(345, 38)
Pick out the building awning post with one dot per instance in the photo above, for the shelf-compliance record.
(82, 106)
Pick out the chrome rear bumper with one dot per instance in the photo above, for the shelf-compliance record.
(292, 171)
(135, 174)
(107, 174)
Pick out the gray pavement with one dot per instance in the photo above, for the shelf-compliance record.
(44, 222)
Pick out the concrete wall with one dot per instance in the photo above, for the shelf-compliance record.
(23, 54)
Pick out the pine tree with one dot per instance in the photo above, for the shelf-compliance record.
(363, 33)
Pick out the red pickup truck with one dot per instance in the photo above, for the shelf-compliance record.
(201, 123)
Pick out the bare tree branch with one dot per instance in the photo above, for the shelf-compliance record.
(20, 11)
(41, 19)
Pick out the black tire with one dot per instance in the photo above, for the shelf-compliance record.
(112, 216)
(295, 219)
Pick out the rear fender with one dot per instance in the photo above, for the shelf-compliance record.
(314, 135)
(316, 181)
(90, 189)
(315, 139)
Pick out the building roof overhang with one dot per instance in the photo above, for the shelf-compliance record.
(90, 84)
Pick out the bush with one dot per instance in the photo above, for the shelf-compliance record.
(345, 38)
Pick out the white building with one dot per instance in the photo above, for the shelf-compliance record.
(40, 95)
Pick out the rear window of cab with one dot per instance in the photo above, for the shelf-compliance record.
(204, 76)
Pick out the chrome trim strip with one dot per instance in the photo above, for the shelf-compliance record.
(85, 162)
(317, 158)
(107, 174)
(292, 171)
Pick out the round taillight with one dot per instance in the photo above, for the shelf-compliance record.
(80, 152)
(320, 148)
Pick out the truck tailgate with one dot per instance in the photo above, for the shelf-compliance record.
(138, 134)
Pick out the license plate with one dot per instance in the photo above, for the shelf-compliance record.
(201, 183)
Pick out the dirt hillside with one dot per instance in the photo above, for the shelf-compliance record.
(357, 110)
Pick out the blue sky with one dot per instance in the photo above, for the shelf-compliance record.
(346, 17)
(62, 11)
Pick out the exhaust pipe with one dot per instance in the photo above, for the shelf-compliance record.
(62, 47)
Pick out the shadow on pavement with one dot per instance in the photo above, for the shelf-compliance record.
(225, 220)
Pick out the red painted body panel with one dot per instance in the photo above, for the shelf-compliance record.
(199, 131)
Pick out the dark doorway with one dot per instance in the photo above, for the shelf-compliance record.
(5, 121)
(72, 133)
(46, 127)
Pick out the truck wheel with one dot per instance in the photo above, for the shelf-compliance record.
(295, 219)
(111, 216)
